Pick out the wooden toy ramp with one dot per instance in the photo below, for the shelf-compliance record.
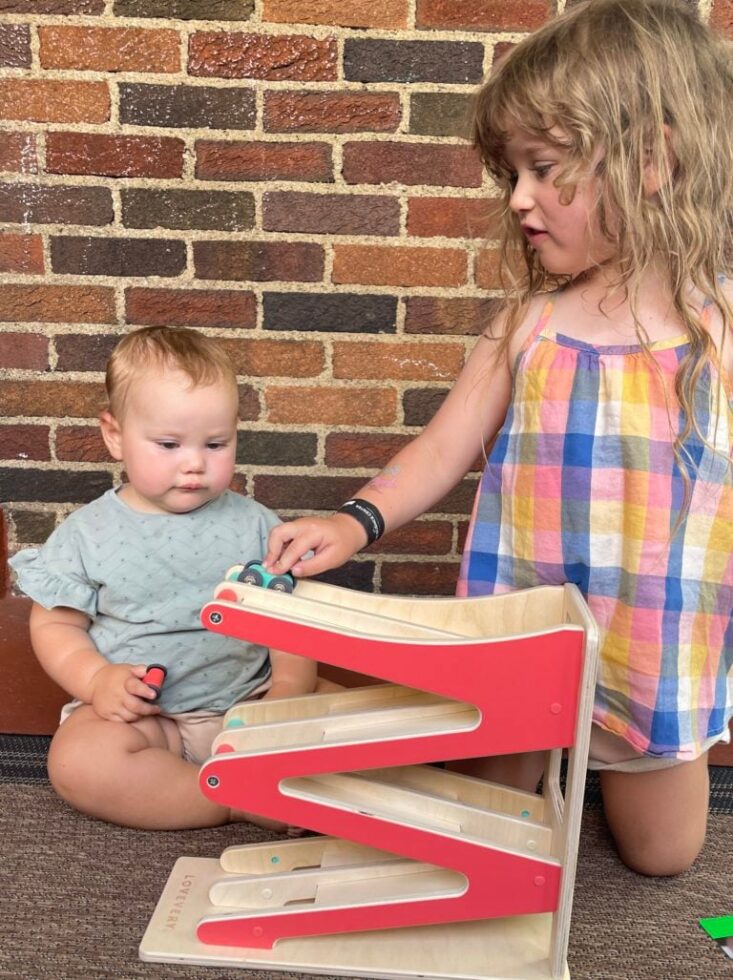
(420, 872)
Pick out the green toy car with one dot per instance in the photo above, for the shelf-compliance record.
(254, 573)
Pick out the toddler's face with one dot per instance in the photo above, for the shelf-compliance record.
(566, 235)
(177, 442)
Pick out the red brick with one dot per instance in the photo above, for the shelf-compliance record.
(28, 351)
(399, 360)
(417, 538)
(453, 217)
(191, 307)
(81, 443)
(368, 449)
(41, 100)
(332, 112)
(272, 58)
(55, 399)
(482, 15)
(110, 49)
(488, 268)
(385, 265)
(721, 16)
(411, 163)
(383, 14)
(21, 253)
(57, 304)
(25, 442)
(331, 406)
(253, 160)
(419, 578)
(114, 156)
(18, 153)
(277, 358)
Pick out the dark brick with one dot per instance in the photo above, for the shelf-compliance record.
(36, 204)
(296, 493)
(249, 403)
(362, 449)
(256, 160)
(144, 207)
(186, 9)
(330, 214)
(21, 441)
(334, 312)
(57, 486)
(411, 163)
(78, 255)
(417, 538)
(441, 114)
(420, 404)
(51, 6)
(276, 448)
(15, 46)
(84, 352)
(358, 575)
(32, 527)
(453, 316)
(413, 61)
(268, 57)
(420, 578)
(191, 307)
(259, 261)
(332, 112)
(81, 443)
(187, 106)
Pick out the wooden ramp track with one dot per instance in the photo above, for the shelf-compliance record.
(425, 847)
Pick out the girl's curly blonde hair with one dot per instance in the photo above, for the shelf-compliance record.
(642, 86)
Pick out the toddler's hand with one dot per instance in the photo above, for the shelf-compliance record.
(118, 693)
(333, 540)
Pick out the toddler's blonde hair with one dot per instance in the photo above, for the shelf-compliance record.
(203, 359)
(641, 86)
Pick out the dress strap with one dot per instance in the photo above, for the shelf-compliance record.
(540, 325)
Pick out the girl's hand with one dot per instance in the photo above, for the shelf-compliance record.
(333, 540)
(118, 693)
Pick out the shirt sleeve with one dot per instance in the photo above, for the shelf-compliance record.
(54, 575)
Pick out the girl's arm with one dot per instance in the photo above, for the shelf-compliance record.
(61, 642)
(416, 478)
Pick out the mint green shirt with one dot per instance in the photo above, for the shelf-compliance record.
(143, 578)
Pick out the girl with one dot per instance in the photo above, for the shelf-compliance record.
(605, 387)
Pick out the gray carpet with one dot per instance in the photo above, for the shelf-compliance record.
(77, 895)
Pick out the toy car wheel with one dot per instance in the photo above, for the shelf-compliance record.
(281, 583)
(251, 576)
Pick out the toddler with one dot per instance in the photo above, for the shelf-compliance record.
(120, 584)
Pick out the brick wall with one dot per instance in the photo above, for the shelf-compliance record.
(290, 175)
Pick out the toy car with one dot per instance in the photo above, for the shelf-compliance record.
(254, 573)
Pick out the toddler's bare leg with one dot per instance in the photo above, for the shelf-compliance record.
(521, 770)
(130, 774)
(658, 818)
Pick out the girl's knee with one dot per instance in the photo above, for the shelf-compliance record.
(655, 860)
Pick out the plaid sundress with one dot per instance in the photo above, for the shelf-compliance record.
(582, 485)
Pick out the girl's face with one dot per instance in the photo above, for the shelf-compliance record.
(177, 442)
(566, 236)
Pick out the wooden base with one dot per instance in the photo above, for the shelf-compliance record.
(514, 948)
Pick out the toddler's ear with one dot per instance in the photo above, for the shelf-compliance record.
(111, 434)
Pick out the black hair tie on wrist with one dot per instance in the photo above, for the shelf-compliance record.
(367, 515)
